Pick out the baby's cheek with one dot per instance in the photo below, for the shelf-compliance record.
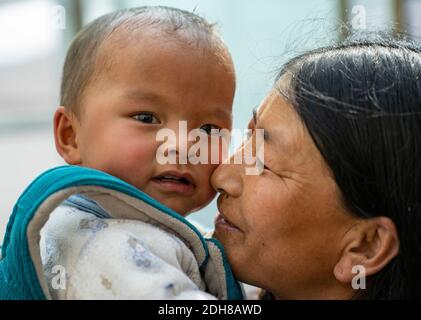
(206, 172)
(132, 161)
(141, 148)
(217, 151)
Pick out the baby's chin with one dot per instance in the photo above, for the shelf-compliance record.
(183, 205)
(183, 208)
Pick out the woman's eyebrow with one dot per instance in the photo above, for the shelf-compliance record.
(255, 115)
(270, 136)
(265, 132)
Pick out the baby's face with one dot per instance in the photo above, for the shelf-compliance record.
(144, 85)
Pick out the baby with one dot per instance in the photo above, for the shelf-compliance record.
(127, 75)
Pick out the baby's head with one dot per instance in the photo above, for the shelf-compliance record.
(131, 73)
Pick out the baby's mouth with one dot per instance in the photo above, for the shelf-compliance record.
(175, 182)
(168, 178)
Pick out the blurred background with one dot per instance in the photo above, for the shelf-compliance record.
(261, 35)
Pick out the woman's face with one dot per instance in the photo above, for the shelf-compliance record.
(282, 229)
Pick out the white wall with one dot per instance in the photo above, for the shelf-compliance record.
(24, 155)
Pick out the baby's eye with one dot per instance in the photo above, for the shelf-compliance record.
(210, 129)
(147, 117)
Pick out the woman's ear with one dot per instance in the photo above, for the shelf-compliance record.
(65, 135)
(369, 246)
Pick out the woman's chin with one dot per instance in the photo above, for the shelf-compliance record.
(230, 238)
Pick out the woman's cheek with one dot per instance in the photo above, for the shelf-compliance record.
(265, 195)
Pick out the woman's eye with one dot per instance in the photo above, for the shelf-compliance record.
(146, 117)
(210, 129)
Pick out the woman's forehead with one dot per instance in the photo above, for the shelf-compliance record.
(284, 130)
(275, 111)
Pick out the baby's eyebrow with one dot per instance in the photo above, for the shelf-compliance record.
(222, 113)
(144, 95)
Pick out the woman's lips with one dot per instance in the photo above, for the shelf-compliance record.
(223, 223)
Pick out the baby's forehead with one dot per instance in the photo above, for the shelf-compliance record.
(141, 37)
(151, 39)
(147, 49)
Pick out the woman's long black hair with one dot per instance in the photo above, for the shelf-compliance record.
(361, 103)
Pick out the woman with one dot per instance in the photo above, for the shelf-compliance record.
(339, 198)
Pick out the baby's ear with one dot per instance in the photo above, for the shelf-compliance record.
(65, 135)
(368, 247)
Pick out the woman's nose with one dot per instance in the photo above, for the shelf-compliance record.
(227, 178)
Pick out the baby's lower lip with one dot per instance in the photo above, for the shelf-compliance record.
(174, 187)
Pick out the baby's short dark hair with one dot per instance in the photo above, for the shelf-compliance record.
(79, 65)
